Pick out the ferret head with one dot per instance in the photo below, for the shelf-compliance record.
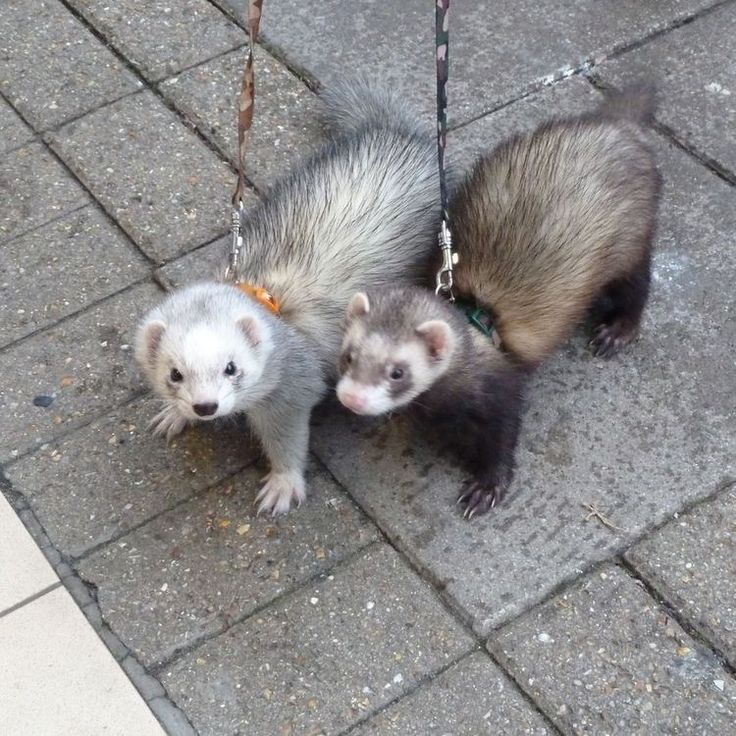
(204, 350)
(387, 358)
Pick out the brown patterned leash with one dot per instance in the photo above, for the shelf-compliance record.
(245, 121)
(442, 37)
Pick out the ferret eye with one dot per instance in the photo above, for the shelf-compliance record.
(348, 358)
(230, 369)
(396, 374)
(176, 376)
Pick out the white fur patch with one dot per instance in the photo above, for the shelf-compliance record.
(364, 399)
(280, 490)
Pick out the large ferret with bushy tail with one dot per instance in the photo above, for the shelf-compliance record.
(550, 226)
(362, 212)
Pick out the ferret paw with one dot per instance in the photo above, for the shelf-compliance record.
(478, 499)
(279, 491)
(608, 339)
(168, 421)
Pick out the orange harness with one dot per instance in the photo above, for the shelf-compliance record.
(261, 295)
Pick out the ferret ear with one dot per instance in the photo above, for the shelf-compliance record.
(150, 339)
(438, 338)
(359, 305)
(251, 329)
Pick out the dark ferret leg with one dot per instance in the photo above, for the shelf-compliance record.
(619, 311)
(494, 448)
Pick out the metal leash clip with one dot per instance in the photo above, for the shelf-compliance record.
(237, 242)
(449, 259)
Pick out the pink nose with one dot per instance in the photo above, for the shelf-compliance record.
(352, 401)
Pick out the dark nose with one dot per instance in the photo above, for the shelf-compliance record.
(204, 410)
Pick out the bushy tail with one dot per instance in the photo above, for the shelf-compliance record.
(359, 102)
(636, 103)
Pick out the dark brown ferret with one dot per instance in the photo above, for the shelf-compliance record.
(550, 226)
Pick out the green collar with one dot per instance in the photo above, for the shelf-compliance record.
(477, 316)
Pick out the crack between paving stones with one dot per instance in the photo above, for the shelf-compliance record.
(445, 599)
(42, 540)
(50, 221)
(82, 310)
(423, 680)
(124, 533)
(157, 667)
(691, 628)
(273, 50)
(30, 598)
(80, 182)
(151, 85)
(486, 640)
(590, 64)
(671, 135)
(71, 429)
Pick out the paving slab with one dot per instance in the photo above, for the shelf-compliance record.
(160, 37)
(46, 692)
(470, 698)
(191, 572)
(24, 570)
(572, 96)
(321, 659)
(80, 368)
(13, 131)
(159, 181)
(691, 563)
(61, 267)
(497, 49)
(35, 188)
(129, 476)
(202, 264)
(695, 68)
(636, 438)
(54, 69)
(604, 658)
(285, 124)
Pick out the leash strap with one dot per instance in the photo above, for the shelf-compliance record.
(245, 121)
(442, 38)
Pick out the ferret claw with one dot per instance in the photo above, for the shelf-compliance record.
(279, 491)
(609, 339)
(479, 499)
(168, 421)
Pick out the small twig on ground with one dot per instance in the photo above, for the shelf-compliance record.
(595, 513)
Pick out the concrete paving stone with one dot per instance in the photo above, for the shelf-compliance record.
(604, 658)
(691, 562)
(202, 264)
(47, 692)
(79, 368)
(285, 123)
(160, 37)
(636, 437)
(694, 67)
(24, 570)
(13, 131)
(61, 267)
(497, 49)
(164, 187)
(319, 660)
(54, 69)
(472, 697)
(35, 188)
(128, 475)
(192, 571)
(572, 96)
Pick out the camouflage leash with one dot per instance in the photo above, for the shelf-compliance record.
(245, 120)
(442, 35)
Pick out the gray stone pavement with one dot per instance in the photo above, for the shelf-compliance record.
(599, 599)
